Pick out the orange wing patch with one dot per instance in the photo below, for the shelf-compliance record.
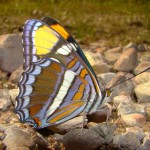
(60, 30)
(35, 109)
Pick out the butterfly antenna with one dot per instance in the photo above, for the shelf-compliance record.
(128, 78)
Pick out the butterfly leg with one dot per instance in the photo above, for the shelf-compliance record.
(83, 122)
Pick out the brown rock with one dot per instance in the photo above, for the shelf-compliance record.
(113, 54)
(98, 62)
(127, 61)
(11, 55)
(142, 92)
(15, 76)
(134, 120)
(142, 78)
(142, 66)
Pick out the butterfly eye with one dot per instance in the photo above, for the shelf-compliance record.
(108, 92)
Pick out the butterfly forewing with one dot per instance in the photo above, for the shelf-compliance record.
(56, 85)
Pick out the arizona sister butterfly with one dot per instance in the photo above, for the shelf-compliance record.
(58, 83)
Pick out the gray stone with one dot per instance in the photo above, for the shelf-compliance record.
(121, 98)
(146, 143)
(11, 55)
(105, 132)
(106, 76)
(79, 140)
(17, 138)
(127, 61)
(126, 108)
(137, 131)
(119, 88)
(126, 141)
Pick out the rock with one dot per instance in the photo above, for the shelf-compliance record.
(141, 47)
(77, 140)
(3, 76)
(126, 108)
(10, 49)
(17, 138)
(4, 99)
(2, 146)
(98, 62)
(99, 116)
(105, 132)
(15, 76)
(137, 131)
(106, 76)
(141, 67)
(100, 50)
(121, 98)
(134, 120)
(146, 127)
(127, 61)
(142, 78)
(68, 125)
(145, 57)
(13, 94)
(126, 141)
(146, 143)
(113, 54)
(142, 92)
(147, 113)
(119, 88)
(91, 124)
(92, 138)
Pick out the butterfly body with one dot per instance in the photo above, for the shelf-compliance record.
(58, 82)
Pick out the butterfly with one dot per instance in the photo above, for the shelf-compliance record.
(58, 82)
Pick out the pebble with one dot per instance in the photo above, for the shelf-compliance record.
(137, 131)
(13, 93)
(15, 76)
(10, 45)
(142, 78)
(98, 62)
(127, 61)
(135, 119)
(147, 113)
(26, 140)
(142, 66)
(79, 140)
(106, 76)
(123, 88)
(4, 100)
(113, 54)
(142, 92)
(125, 108)
(127, 141)
(121, 98)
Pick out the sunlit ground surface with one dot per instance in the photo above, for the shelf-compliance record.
(116, 21)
